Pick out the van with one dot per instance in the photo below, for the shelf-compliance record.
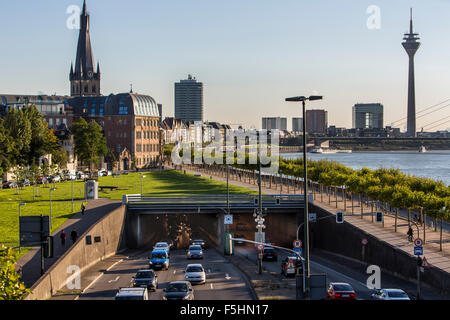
(132, 294)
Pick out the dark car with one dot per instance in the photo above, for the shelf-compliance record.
(146, 278)
(288, 269)
(199, 242)
(42, 180)
(179, 290)
(340, 291)
(269, 254)
(9, 185)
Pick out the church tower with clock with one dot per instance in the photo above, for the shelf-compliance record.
(85, 79)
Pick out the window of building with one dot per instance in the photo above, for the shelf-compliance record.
(138, 122)
(138, 135)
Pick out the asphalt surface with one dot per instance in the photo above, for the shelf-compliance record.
(335, 272)
(223, 280)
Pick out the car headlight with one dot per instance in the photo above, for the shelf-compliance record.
(164, 298)
(186, 297)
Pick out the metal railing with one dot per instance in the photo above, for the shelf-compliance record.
(210, 202)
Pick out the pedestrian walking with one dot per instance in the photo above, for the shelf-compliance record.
(83, 207)
(410, 234)
(74, 235)
(63, 238)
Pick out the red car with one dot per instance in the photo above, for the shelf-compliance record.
(340, 291)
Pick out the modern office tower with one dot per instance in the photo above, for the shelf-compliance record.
(189, 100)
(297, 124)
(368, 116)
(411, 46)
(275, 123)
(316, 121)
(85, 80)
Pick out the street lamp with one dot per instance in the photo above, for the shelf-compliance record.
(142, 177)
(51, 220)
(20, 205)
(303, 99)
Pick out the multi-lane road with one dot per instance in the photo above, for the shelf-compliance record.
(223, 280)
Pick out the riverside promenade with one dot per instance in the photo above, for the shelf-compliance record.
(365, 221)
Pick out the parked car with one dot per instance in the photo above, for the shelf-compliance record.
(291, 270)
(9, 185)
(25, 183)
(146, 278)
(54, 179)
(81, 175)
(159, 259)
(390, 294)
(195, 252)
(42, 180)
(162, 246)
(132, 294)
(269, 254)
(179, 290)
(340, 291)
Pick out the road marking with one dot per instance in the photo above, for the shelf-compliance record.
(227, 276)
(114, 280)
(212, 287)
(174, 271)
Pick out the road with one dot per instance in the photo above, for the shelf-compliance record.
(223, 280)
(338, 273)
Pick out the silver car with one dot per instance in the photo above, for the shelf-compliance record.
(195, 273)
(390, 294)
(195, 252)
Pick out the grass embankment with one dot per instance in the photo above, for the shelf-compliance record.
(164, 183)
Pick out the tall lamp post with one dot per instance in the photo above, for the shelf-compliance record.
(20, 205)
(305, 181)
(51, 219)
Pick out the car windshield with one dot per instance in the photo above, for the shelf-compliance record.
(177, 287)
(269, 250)
(342, 287)
(129, 298)
(158, 255)
(194, 269)
(198, 241)
(397, 294)
(144, 275)
(195, 248)
(161, 245)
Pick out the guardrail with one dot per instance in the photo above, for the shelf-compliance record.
(211, 202)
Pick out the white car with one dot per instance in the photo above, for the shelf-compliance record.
(390, 294)
(162, 246)
(195, 273)
(132, 294)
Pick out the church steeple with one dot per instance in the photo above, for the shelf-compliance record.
(85, 80)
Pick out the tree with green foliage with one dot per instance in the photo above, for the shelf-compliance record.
(90, 143)
(11, 288)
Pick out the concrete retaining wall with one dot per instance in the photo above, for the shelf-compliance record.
(345, 239)
(110, 229)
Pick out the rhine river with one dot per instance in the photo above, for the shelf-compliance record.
(431, 164)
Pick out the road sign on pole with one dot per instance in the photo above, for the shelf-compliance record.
(418, 251)
(297, 244)
(418, 242)
(425, 263)
(364, 241)
(260, 247)
(299, 251)
(228, 219)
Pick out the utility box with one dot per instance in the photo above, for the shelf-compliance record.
(91, 190)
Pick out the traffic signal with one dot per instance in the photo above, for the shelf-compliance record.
(340, 217)
(48, 247)
(379, 217)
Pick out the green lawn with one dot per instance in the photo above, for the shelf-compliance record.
(164, 183)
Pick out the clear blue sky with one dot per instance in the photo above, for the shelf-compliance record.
(250, 54)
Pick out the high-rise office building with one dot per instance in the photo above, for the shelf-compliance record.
(275, 123)
(189, 100)
(316, 121)
(368, 116)
(297, 124)
(411, 46)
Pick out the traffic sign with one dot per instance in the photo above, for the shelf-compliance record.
(260, 247)
(291, 264)
(418, 242)
(297, 244)
(228, 219)
(425, 263)
(312, 217)
(418, 251)
(364, 241)
(299, 251)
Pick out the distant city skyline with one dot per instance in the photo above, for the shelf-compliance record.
(250, 55)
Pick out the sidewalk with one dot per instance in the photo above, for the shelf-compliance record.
(396, 239)
(31, 261)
